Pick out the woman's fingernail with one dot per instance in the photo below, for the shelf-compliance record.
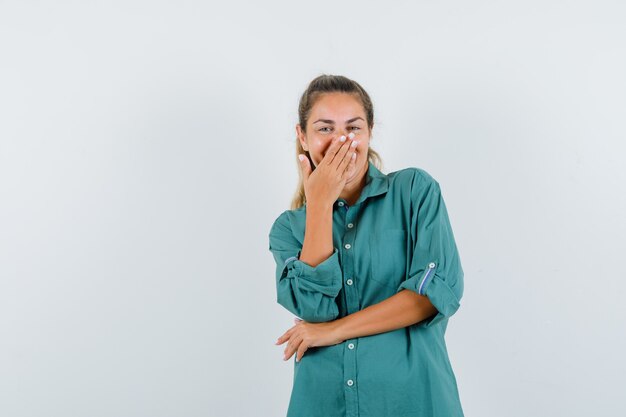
(342, 138)
(351, 135)
(354, 144)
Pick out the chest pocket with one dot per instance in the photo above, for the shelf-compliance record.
(388, 256)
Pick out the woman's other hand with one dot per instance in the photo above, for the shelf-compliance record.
(305, 335)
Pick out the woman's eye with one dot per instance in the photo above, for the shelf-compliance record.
(355, 127)
(322, 129)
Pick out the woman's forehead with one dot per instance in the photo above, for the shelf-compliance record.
(339, 107)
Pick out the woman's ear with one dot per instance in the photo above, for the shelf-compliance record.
(301, 137)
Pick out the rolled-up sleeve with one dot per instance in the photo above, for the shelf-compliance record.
(435, 268)
(306, 291)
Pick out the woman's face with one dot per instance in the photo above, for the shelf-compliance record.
(334, 115)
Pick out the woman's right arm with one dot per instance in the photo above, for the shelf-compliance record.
(308, 276)
(317, 246)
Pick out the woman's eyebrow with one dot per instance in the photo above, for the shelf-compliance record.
(332, 122)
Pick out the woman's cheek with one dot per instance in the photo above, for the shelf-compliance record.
(359, 148)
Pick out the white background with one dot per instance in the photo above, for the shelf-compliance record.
(147, 147)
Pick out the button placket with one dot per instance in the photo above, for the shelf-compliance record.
(352, 303)
(352, 297)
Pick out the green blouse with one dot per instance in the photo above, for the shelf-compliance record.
(396, 236)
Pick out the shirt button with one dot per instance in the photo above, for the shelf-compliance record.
(349, 282)
(350, 225)
(351, 346)
(348, 246)
(340, 203)
(350, 382)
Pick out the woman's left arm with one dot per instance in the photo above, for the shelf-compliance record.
(400, 310)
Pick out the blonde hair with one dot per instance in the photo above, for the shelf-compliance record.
(318, 86)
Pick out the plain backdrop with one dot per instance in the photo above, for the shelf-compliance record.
(146, 147)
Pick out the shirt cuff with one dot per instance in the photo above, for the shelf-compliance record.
(327, 272)
(438, 292)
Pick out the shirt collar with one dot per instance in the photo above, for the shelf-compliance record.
(376, 183)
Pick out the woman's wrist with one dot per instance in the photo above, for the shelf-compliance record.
(319, 207)
(338, 329)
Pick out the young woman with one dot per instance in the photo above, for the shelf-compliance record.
(368, 263)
